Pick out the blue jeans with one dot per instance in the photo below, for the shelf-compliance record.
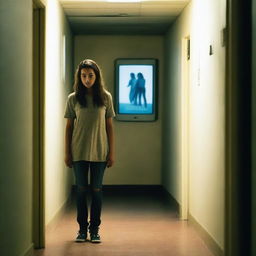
(81, 169)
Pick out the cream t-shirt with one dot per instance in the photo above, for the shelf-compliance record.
(89, 139)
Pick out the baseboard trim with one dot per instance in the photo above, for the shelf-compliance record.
(156, 190)
(209, 241)
(54, 221)
(132, 188)
(29, 251)
(171, 200)
(140, 189)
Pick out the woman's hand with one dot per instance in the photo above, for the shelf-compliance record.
(110, 134)
(110, 161)
(68, 160)
(68, 139)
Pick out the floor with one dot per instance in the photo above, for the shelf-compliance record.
(133, 224)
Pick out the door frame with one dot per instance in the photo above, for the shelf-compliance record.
(38, 123)
(185, 127)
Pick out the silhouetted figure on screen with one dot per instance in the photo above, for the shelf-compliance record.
(140, 90)
(132, 83)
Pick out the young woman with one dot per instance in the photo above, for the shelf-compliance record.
(89, 143)
(140, 89)
(132, 83)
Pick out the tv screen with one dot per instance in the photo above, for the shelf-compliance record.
(136, 89)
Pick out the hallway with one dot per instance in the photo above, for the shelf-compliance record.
(190, 149)
(133, 224)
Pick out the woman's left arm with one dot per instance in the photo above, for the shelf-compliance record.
(110, 134)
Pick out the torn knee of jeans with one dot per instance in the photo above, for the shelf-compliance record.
(81, 188)
(96, 189)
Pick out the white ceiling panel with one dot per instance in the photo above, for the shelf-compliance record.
(101, 12)
(145, 17)
(99, 5)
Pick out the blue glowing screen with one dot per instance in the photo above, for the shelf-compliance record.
(136, 89)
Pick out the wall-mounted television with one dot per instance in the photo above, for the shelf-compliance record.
(136, 87)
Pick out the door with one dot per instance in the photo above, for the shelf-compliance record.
(38, 124)
(185, 117)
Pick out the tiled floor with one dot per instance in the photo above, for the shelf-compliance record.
(132, 225)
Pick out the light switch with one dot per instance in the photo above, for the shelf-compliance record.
(210, 50)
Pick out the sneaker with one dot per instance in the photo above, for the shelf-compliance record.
(81, 237)
(95, 238)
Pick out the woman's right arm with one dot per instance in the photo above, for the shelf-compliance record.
(68, 140)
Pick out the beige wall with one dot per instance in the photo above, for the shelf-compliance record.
(138, 145)
(16, 118)
(58, 70)
(16, 127)
(208, 118)
(203, 20)
(172, 111)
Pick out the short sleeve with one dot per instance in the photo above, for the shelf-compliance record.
(110, 109)
(70, 107)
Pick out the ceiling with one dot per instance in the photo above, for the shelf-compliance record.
(103, 17)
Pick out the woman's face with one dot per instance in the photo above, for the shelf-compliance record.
(88, 77)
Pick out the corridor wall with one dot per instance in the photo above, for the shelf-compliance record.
(203, 21)
(58, 81)
(16, 127)
(17, 120)
(138, 144)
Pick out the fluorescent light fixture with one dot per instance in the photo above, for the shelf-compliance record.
(124, 1)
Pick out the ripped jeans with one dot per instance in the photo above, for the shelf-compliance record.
(81, 170)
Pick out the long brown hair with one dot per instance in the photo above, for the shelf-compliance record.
(98, 86)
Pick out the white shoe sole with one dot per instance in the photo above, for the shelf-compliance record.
(96, 241)
(80, 240)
